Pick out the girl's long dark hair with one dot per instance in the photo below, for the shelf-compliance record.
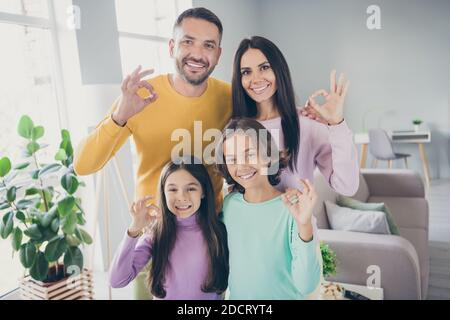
(284, 97)
(214, 232)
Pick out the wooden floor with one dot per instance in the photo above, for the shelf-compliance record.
(439, 236)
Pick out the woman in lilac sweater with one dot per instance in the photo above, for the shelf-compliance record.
(185, 240)
(316, 136)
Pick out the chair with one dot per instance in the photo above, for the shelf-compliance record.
(380, 148)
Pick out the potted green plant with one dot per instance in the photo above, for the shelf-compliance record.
(329, 290)
(43, 217)
(417, 123)
(329, 260)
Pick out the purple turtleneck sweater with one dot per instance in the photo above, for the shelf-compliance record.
(188, 262)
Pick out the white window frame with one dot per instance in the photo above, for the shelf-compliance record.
(56, 68)
(150, 38)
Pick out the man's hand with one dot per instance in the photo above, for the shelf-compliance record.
(130, 102)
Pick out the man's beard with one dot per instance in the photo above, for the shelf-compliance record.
(199, 79)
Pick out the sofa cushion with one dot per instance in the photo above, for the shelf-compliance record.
(346, 219)
(406, 212)
(344, 201)
(326, 193)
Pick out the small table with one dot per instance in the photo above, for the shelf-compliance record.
(369, 292)
(406, 136)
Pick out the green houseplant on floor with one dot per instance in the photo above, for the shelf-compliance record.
(39, 211)
(329, 260)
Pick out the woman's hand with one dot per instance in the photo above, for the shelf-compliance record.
(301, 205)
(142, 215)
(332, 111)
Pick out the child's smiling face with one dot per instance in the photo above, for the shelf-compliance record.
(244, 162)
(183, 193)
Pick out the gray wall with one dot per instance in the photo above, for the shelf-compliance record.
(239, 20)
(397, 73)
(98, 43)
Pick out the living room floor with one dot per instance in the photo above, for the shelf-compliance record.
(439, 239)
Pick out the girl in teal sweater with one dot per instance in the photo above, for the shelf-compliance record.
(270, 234)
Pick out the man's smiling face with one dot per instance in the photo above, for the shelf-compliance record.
(196, 49)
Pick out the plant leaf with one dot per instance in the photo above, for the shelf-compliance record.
(7, 225)
(65, 206)
(35, 174)
(16, 239)
(61, 155)
(39, 269)
(24, 204)
(69, 223)
(32, 147)
(33, 232)
(66, 143)
(83, 236)
(53, 167)
(5, 166)
(56, 248)
(48, 217)
(72, 240)
(11, 194)
(25, 127)
(32, 191)
(73, 257)
(55, 225)
(4, 205)
(80, 219)
(70, 183)
(27, 254)
(37, 132)
(22, 166)
(20, 216)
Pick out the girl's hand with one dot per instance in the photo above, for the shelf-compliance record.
(332, 111)
(142, 215)
(301, 204)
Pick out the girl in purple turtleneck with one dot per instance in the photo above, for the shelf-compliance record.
(185, 239)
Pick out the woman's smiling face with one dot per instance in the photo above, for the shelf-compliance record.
(244, 162)
(257, 76)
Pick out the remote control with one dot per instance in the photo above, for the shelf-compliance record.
(354, 296)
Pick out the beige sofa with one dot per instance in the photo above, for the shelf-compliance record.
(403, 260)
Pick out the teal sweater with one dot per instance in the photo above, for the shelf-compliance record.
(268, 260)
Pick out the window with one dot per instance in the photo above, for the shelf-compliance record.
(36, 8)
(27, 86)
(145, 27)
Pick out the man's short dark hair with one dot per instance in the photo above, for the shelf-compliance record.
(200, 13)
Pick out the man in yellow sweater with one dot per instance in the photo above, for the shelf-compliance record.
(151, 110)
